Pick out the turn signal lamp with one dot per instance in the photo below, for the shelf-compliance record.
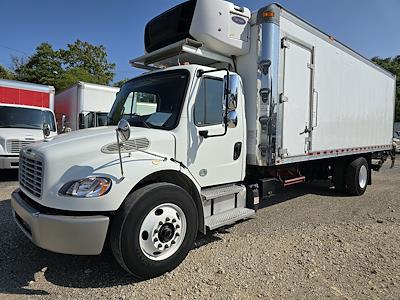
(268, 14)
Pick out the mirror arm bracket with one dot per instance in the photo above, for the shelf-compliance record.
(119, 153)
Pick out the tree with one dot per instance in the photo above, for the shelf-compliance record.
(120, 83)
(393, 66)
(81, 61)
(5, 73)
(42, 67)
(84, 58)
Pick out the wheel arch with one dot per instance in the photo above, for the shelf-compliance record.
(181, 180)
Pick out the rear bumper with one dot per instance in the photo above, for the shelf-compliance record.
(9, 162)
(81, 235)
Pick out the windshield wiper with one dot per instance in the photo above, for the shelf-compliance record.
(139, 118)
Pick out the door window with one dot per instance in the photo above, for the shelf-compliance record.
(208, 109)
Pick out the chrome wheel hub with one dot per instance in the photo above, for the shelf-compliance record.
(363, 176)
(162, 231)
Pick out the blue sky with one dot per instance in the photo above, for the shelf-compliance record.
(370, 27)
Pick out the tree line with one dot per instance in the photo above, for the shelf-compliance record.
(82, 61)
(392, 64)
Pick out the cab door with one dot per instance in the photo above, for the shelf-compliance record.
(213, 156)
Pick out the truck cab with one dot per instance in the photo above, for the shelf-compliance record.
(21, 125)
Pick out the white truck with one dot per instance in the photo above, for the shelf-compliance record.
(246, 104)
(24, 109)
(83, 105)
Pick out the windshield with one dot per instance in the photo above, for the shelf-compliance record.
(154, 100)
(20, 117)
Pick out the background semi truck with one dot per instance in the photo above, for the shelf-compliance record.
(83, 105)
(242, 105)
(24, 108)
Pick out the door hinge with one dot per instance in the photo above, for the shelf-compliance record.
(310, 66)
(283, 98)
(285, 43)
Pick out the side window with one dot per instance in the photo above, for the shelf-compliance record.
(208, 107)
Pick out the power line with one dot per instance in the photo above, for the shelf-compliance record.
(13, 49)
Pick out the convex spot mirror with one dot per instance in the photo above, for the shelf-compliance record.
(124, 130)
(232, 119)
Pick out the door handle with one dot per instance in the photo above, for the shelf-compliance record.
(203, 133)
(315, 108)
(237, 150)
(306, 130)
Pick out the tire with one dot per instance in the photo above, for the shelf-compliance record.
(357, 176)
(338, 176)
(137, 226)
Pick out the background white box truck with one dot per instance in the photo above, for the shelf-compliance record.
(83, 105)
(24, 108)
(245, 103)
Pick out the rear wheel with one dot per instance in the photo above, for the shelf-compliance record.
(357, 176)
(154, 230)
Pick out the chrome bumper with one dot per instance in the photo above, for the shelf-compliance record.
(9, 162)
(82, 235)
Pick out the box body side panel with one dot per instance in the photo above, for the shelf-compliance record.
(353, 101)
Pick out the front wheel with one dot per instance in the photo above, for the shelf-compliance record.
(154, 230)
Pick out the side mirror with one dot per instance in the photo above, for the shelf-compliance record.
(46, 130)
(81, 121)
(124, 130)
(64, 121)
(232, 101)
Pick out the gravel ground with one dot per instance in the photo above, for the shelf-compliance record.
(307, 243)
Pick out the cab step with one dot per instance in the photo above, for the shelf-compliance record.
(228, 217)
(220, 191)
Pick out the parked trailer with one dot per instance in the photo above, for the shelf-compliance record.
(24, 108)
(244, 104)
(83, 105)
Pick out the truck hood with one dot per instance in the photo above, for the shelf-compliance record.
(93, 152)
(81, 147)
(17, 138)
(21, 134)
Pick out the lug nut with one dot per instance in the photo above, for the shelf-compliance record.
(172, 242)
(155, 231)
(160, 223)
(173, 220)
(177, 226)
(177, 234)
(159, 246)
(156, 240)
(166, 246)
(167, 219)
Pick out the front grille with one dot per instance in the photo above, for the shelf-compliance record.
(31, 174)
(15, 146)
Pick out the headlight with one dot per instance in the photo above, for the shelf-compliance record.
(87, 187)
